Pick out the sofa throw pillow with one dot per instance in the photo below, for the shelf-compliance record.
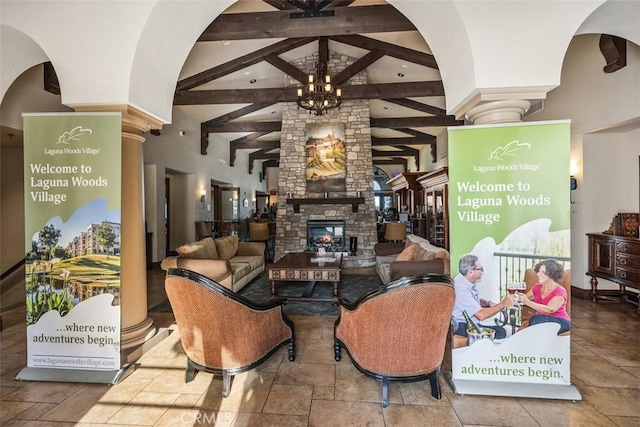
(227, 246)
(203, 249)
(407, 253)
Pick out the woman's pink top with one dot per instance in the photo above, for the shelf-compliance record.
(558, 291)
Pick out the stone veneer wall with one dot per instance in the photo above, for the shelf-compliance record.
(291, 230)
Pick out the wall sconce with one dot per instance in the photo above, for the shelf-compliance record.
(203, 199)
(573, 183)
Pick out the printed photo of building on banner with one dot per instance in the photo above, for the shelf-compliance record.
(511, 260)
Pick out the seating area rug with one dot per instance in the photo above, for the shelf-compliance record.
(352, 287)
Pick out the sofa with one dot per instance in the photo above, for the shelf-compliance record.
(227, 260)
(413, 256)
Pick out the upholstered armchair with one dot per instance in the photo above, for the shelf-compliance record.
(222, 332)
(398, 332)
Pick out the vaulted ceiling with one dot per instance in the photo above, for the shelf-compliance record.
(234, 79)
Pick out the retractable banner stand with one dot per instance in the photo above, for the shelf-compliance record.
(72, 176)
(509, 205)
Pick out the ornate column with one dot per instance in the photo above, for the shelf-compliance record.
(505, 111)
(137, 326)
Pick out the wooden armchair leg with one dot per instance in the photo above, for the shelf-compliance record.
(225, 384)
(385, 392)
(435, 384)
(189, 373)
(337, 349)
(292, 350)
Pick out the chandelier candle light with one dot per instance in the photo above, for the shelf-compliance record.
(318, 96)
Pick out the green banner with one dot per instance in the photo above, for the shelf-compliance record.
(509, 204)
(72, 176)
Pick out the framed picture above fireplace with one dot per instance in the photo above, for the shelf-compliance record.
(326, 168)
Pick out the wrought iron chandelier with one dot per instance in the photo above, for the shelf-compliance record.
(318, 96)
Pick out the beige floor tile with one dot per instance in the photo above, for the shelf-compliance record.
(36, 423)
(417, 415)
(145, 408)
(621, 402)
(419, 393)
(306, 374)
(323, 392)
(352, 385)
(269, 420)
(609, 339)
(248, 393)
(92, 404)
(335, 413)
(36, 411)
(633, 370)
(579, 349)
(43, 392)
(11, 363)
(289, 399)
(272, 364)
(173, 381)
(554, 413)
(4, 390)
(620, 357)
(178, 417)
(317, 351)
(491, 411)
(597, 372)
(626, 421)
(9, 410)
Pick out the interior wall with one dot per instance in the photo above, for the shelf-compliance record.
(607, 161)
(12, 248)
(181, 155)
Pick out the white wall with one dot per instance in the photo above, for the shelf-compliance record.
(177, 155)
(607, 160)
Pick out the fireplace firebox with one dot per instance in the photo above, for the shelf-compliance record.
(328, 234)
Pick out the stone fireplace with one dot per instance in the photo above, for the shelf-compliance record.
(327, 234)
(359, 221)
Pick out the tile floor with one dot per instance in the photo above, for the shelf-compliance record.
(316, 391)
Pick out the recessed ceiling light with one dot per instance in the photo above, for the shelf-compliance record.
(404, 65)
(226, 42)
(273, 112)
(246, 73)
(252, 81)
(401, 74)
(385, 108)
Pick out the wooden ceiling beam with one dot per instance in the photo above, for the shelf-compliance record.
(243, 127)
(405, 151)
(289, 94)
(393, 50)
(269, 164)
(241, 62)
(280, 4)
(395, 161)
(238, 113)
(419, 106)
(357, 66)
(244, 143)
(277, 24)
(287, 68)
(394, 142)
(417, 122)
(261, 155)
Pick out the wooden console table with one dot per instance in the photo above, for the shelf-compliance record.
(617, 259)
(353, 201)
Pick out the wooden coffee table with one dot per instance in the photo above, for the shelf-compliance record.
(307, 267)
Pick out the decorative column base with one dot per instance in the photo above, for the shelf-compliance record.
(506, 111)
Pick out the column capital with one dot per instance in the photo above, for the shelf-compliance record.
(506, 111)
(134, 121)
